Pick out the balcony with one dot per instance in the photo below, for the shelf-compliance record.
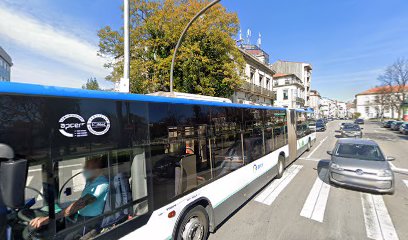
(300, 101)
(257, 90)
(288, 82)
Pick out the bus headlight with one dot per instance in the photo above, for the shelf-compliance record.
(335, 166)
(384, 173)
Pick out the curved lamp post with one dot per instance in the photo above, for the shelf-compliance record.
(182, 37)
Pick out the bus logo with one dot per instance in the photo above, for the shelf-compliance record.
(98, 124)
(71, 125)
(74, 125)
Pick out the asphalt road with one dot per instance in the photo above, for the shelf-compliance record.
(303, 205)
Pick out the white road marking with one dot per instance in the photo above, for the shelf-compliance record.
(406, 182)
(29, 179)
(397, 169)
(315, 204)
(61, 167)
(314, 150)
(78, 181)
(272, 191)
(378, 222)
(311, 159)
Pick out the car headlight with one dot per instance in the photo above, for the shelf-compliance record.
(384, 173)
(337, 167)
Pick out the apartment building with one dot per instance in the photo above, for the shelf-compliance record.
(5, 65)
(315, 102)
(379, 102)
(257, 88)
(289, 91)
(302, 70)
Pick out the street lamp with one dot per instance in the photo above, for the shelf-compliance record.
(124, 82)
(182, 37)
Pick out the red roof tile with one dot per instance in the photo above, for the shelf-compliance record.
(385, 89)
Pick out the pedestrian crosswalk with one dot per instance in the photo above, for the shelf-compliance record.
(315, 204)
(269, 195)
(377, 220)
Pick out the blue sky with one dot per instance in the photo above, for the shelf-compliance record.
(348, 42)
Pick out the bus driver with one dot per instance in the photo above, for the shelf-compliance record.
(93, 197)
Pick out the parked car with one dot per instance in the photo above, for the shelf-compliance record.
(404, 128)
(359, 121)
(387, 124)
(351, 130)
(320, 126)
(360, 163)
(395, 125)
(345, 123)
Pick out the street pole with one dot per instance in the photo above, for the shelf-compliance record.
(124, 82)
(182, 37)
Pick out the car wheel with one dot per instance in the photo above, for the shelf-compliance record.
(281, 166)
(195, 225)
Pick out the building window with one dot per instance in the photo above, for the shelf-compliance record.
(285, 94)
(268, 83)
(260, 80)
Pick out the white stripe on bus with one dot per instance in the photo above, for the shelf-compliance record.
(272, 191)
(378, 222)
(315, 204)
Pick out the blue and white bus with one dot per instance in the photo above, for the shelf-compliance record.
(167, 168)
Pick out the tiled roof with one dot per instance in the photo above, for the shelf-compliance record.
(278, 75)
(385, 89)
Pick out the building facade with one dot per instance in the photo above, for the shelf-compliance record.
(379, 102)
(5, 65)
(328, 108)
(289, 91)
(257, 88)
(315, 102)
(302, 70)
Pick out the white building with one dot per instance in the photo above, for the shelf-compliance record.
(328, 108)
(289, 91)
(341, 110)
(302, 70)
(315, 102)
(378, 102)
(257, 88)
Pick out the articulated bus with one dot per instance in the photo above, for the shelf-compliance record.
(135, 166)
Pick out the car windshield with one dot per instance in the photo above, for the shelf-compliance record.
(351, 128)
(359, 151)
(319, 124)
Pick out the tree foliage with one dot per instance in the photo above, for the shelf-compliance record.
(395, 78)
(208, 61)
(91, 84)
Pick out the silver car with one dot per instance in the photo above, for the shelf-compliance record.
(351, 130)
(360, 163)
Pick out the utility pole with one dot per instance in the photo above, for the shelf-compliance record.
(182, 37)
(124, 82)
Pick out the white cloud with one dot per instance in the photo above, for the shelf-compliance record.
(43, 39)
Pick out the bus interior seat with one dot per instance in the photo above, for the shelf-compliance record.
(119, 195)
(186, 174)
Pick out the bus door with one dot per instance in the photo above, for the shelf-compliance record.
(292, 140)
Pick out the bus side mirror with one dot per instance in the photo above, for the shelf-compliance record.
(13, 177)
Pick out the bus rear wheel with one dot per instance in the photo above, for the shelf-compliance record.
(195, 225)
(281, 166)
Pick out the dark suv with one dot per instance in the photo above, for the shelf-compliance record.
(359, 121)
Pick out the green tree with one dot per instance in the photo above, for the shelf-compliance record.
(208, 61)
(91, 84)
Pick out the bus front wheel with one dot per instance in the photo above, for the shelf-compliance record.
(195, 225)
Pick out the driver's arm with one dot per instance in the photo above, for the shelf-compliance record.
(70, 210)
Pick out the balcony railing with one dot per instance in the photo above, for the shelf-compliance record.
(288, 82)
(257, 90)
(300, 100)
